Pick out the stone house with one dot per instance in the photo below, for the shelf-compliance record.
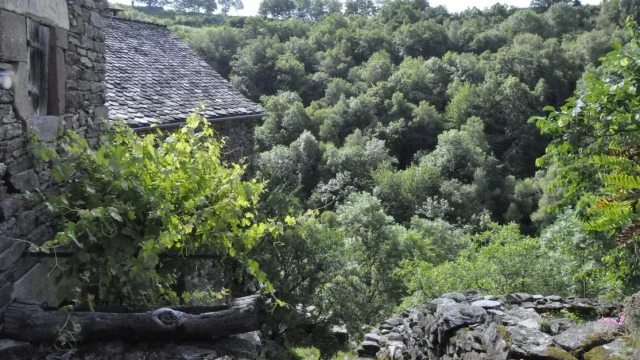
(61, 61)
(154, 79)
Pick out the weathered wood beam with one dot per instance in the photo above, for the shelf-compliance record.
(28, 321)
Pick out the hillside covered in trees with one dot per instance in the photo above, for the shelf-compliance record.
(400, 137)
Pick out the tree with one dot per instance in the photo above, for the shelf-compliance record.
(360, 7)
(544, 5)
(498, 261)
(366, 290)
(425, 38)
(227, 5)
(216, 45)
(525, 21)
(595, 146)
(278, 9)
(156, 2)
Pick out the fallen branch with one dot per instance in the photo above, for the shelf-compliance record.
(30, 321)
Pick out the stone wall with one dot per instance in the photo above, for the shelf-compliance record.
(467, 325)
(239, 138)
(74, 99)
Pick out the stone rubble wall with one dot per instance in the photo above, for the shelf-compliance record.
(76, 95)
(469, 326)
(239, 138)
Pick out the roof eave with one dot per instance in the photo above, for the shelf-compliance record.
(180, 123)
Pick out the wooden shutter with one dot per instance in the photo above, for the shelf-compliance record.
(38, 45)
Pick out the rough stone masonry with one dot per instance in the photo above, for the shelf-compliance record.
(52, 78)
(469, 326)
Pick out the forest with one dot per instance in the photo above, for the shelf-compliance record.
(414, 152)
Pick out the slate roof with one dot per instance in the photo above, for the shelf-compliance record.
(154, 78)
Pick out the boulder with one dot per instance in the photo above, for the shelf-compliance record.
(495, 342)
(559, 325)
(451, 317)
(531, 323)
(373, 338)
(527, 342)
(394, 321)
(581, 338)
(523, 314)
(368, 348)
(455, 296)
(518, 298)
(441, 301)
(246, 345)
(554, 298)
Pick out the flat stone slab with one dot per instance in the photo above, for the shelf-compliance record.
(530, 323)
(616, 349)
(487, 304)
(584, 337)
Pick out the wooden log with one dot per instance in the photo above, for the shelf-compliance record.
(28, 321)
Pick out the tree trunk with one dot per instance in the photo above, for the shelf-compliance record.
(28, 321)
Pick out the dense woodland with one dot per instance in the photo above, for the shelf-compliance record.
(403, 140)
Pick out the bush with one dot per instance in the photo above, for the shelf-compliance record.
(136, 200)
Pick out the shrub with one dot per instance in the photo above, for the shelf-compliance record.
(136, 201)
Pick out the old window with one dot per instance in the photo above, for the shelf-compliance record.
(38, 63)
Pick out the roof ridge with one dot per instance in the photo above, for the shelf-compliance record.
(135, 21)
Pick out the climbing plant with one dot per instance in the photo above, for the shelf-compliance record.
(135, 206)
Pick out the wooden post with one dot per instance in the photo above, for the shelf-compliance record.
(28, 321)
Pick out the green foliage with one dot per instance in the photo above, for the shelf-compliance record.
(365, 289)
(400, 132)
(595, 144)
(137, 199)
(498, 261)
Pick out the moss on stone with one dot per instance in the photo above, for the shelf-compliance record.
(600, 353)
(505, 335)
(557, 353)
(630, 341)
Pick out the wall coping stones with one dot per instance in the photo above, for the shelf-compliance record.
(451, 327)
(47, 12)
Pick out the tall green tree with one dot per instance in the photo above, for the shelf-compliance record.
(595, 146)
